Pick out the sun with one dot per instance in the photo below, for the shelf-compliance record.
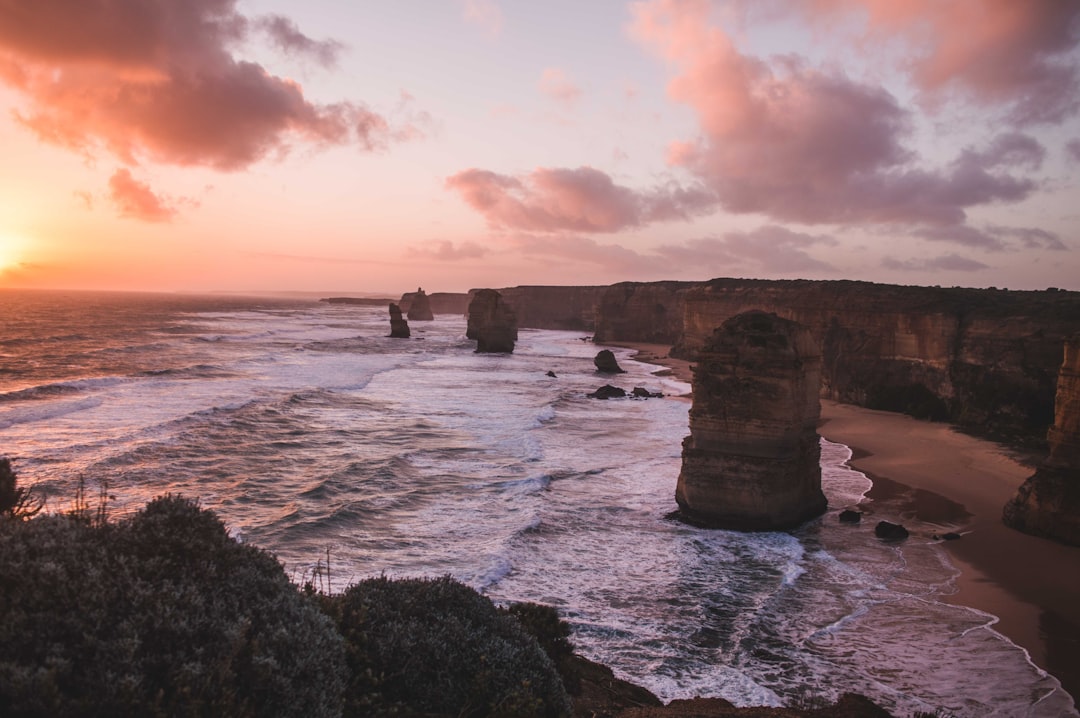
(10, 249)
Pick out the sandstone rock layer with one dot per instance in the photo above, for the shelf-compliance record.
(492, 323)
(751, 461)
(1048, 503)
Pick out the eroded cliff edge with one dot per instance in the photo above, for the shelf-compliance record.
(1048, 504)
(983, 359)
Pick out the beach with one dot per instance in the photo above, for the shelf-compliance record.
(946, 477)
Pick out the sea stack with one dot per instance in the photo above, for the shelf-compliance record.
(420, 308)
(399, 328)
(606, 364)
(1048, 503)
(751, 462)
(492, 323)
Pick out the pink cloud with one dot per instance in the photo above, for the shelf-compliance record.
(800, 144)
(160, 81)
(948, 263)
(485, 14)
(446, 251)
(577, 200)
(995, 52)
(769, 248)
(555, 84)
(1072, 150)
(136, 200)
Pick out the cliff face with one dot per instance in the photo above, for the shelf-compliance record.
(492, 322)
(549, 307)
(984, 359)
(439, 302)
(751, 461)
(1048, 504)
(420, 308)
(650, 312)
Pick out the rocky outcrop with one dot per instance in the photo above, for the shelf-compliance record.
(1048, 503)
(888, 531)
(606, 364)
(399, 328)
(492, 323)
(551, 307)
(751, 461)
(420, 308)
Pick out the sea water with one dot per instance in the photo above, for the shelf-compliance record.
(315, 435)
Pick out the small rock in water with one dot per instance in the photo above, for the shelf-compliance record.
(551, 374)
(607, 391)
(950, 536)
(643, 393)
(606, 364)
(890, 531)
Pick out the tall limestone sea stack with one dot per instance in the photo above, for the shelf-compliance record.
(1048, 503)
(751, 461)
(399, 328)
(492, 323)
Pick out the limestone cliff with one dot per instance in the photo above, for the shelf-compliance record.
(492, 323)
(420, 308)
(631, 311)
(399, 328)
(984, 359)
(751, 461)
(1048, 504)
(439, 302)
(552, 307)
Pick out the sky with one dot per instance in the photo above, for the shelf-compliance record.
(373, 147)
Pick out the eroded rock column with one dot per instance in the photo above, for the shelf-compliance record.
(1048, 503)
(492, 323)
(751, 461)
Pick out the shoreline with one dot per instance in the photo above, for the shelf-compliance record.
(945, 477)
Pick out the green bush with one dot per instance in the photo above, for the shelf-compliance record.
(436, 646)
(161, 614)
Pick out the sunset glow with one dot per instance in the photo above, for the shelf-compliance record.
(282, 145)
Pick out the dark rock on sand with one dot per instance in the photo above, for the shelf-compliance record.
(888, 531)
(849, 516)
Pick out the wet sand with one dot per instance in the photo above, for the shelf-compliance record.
(961, 483)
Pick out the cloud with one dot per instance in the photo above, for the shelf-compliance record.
(85, 198)
(287, 37)
(769, 248)
(1072, 150)
(948, 263)
(136, 200)
(1018, 55)
(563, 248)
(555, 84)
(160, 81)
(799, 144)
(446, 251)
(485, 14)
(992, 238)
(576, 200)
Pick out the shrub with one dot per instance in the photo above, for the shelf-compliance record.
(436, 646)
(161, 614)
(15, 502)
(553, 634)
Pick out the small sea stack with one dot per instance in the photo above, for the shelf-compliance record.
(492, 323)
(1048, 503)
(399, 328)
(420, 307)
(751, 461)
(606, 364)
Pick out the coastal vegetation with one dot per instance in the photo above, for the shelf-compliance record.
(163, 613)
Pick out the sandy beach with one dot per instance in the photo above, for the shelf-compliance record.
(942, 476)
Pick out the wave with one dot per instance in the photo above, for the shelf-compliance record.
(34, 414)
(61, 389)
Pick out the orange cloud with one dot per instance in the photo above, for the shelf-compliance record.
(159, 81)
(579, 200)
(136, 200)
(800, 144)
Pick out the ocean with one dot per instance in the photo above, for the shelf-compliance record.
(313, 434)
